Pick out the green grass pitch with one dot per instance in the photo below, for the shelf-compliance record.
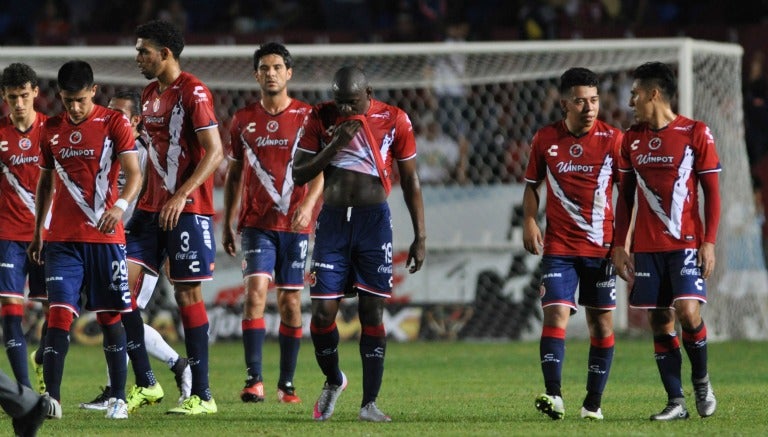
(434, 389)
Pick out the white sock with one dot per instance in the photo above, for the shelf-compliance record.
(158, 348)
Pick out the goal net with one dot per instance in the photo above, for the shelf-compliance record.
(475, 107)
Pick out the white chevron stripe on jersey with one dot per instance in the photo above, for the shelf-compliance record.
(26, 196)
(101, 188)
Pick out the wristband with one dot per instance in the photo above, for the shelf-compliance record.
(122, 204)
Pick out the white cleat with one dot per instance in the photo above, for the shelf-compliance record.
(327, 401)
(592, 415)
(552, 406)
(371, 413)
(706, 404)
(116, 409)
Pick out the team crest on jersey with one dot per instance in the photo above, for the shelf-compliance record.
(156, 105)
(655, 143)
(273, 126)
(75, 137)
(576, 150)
(25, 143)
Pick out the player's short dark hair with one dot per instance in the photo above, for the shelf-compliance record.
(577, 76)
(657, 74)
(17, 75)
(74, 76)
(163, 34)
(272, 48)
(349, 78)
(133, 97)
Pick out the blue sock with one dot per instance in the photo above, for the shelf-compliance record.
(326, 342)
(598, 369)
(137, 350)
(254, 332)
(290, 341)
(57, 346)
(15, 344)
(114, 343)
(195, 320)
(695, 344)
(373, 345)
(669, 361)
(552, 354)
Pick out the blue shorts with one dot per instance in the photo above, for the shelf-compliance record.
(284, 253)
(96, 271)
(662, 278)
(352, 245)
(593, 276)
(15, 267)
(190, 247)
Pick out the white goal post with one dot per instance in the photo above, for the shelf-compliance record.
(495, 95)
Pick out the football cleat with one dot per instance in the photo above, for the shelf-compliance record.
(194, 405)
(253, 391)
(28, 424)
(183, 375)
(325, 404)
(286, 394)
(705, 397)
(54, 407)
(371, 413)
(117, 409)
(591, 415)
(38, 369)
(673, 411)
(552, 406)
(141, 396)
(100, 402)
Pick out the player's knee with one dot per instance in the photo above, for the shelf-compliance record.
(60, 318)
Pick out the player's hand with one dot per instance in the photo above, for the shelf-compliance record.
(344, 132)
(171, 211)
(706, 259)
(109, 220)
(300, 219)
(228, 240)
(623, 263)
(35, 250)
(532, 239)
(416, 254)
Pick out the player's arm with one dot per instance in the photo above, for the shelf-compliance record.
(409, 182)
(210, 140)
(710, 187)
(129, 163)
(307, 166)
(624, 205)
(43, 198)
(232, 197)
(303, 214)
(532, 238)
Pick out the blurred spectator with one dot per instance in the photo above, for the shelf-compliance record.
(174, 12)
(17, 22)
(442, 159)
(52, 26)
(536, 20)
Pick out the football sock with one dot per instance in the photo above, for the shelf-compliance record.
(552, 354)
(195, 321)
(598, 369)
(115, 346)
(669, 360)
(253, 342)
(134, 332)
(373, 345)
(41, 346)
(290, 341)
(56, 348)
(695, 344)
(326, 342)
(15, 344)
(157, 346)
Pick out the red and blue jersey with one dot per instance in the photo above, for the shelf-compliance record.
(386, 134)
(19, 173)
(172, 119)
(579, 171)
(84, 157)
(266, 143)
(667, 164)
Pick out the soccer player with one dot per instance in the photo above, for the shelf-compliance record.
(129, 103)
(664, 158)
(86, 145)
(20, 170)
(353, 140)
(27, 408)
(274, 219)
(174, 216)
(577, 158)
